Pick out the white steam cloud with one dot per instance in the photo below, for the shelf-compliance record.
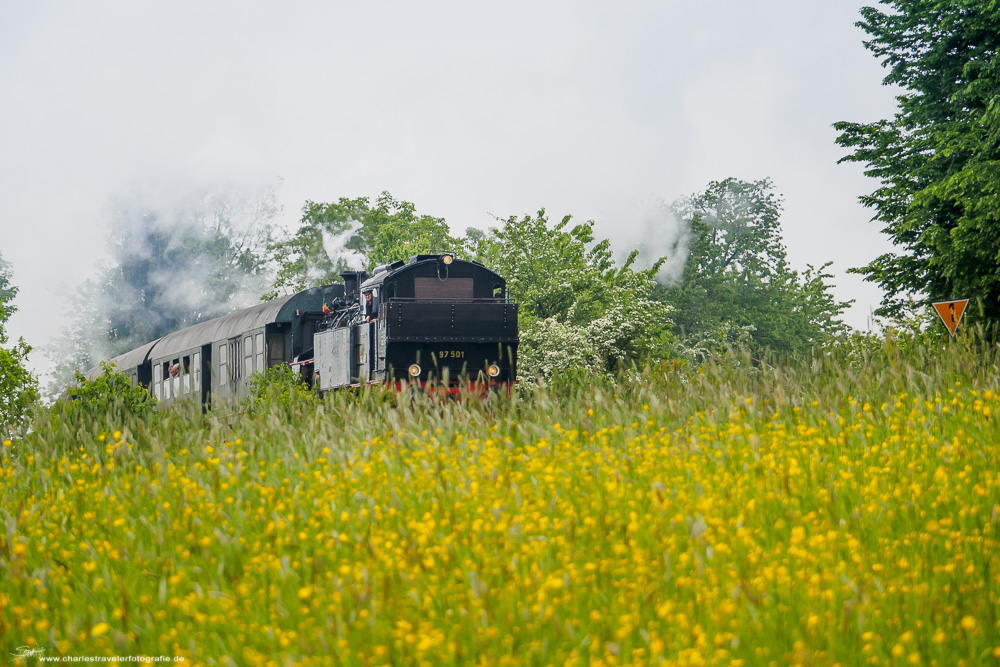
(655, 230)
(178, 253)
(335, 246)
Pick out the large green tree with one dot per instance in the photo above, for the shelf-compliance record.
(18, 387)
(737, 287)
(938, 158)
(354, 234)
(578, 309)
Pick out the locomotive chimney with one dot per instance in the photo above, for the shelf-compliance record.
(352, 283)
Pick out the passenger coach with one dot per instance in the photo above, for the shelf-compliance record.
(214, 360)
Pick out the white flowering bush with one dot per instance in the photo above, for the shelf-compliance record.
(550, 349)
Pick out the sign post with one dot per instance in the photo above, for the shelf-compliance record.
(951, 313)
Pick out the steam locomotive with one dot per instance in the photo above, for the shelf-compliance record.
(431, 319)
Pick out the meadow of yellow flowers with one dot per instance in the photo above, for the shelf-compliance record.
(826, 514)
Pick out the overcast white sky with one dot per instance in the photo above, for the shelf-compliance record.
(465, 109)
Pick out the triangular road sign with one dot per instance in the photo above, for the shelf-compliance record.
(951, 313)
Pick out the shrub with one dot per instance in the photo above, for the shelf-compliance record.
(110, 396)
(279, 387)
(18, 387)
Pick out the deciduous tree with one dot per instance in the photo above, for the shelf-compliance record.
(354, 234)
(938, 158)
(18, 387)
(737, 287)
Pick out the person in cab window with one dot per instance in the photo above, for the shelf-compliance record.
(371, 307)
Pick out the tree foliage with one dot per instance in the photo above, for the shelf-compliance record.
(354, 234)
(578, 309)
(938, 158)
(7, 291)
(18, 387)
(737, 288)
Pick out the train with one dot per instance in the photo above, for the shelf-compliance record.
(432, 320)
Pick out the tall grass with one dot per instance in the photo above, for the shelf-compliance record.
(841, 509)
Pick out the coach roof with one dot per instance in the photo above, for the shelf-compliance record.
(220, 328)
(126, 361)
(282, 309)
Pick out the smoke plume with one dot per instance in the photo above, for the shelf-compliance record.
(178, 254)
(656, 230)
(335, 246)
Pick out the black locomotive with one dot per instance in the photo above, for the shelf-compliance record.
(432, 318)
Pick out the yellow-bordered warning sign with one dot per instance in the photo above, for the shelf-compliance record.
(951, 313)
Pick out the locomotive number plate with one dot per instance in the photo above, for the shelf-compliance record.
(451, 354)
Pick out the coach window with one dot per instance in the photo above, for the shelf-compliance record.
(157, 381)
(247, 356)
(258, 342)
(186, 374)
(196, 371)
(223, 366)
(165, 366)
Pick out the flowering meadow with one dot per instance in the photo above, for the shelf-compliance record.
(840, 511)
